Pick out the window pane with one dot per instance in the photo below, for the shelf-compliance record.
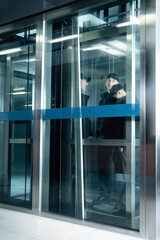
(92, 84)
(17, 65)
(16, 163)
(17, 73)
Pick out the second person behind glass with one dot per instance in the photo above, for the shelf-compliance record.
(111, 159)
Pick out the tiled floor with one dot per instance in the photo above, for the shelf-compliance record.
(22, 226)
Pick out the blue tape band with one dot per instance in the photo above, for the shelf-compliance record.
(119, 110)
(17, 115)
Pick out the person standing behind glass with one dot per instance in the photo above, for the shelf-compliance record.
(103, 152)
(86, 132)
(86, 123)
(111, 159)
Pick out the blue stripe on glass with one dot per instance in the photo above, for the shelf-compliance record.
(119, 110)
(17, 115)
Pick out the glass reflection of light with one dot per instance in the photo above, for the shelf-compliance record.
(94, 21)
(118, 44)
(18, 89)
(63, 38)
(9, 51)
(19, 93)
(25, 60)
(105, 49)
(133, 20)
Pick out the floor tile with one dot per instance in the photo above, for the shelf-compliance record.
(21, 226)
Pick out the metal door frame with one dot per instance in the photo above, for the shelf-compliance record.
(150, 141)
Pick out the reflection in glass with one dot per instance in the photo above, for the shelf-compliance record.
(93, 162)
(62, 170)
(17, 72)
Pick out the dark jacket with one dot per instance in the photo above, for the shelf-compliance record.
(86, 123)
(111, 127)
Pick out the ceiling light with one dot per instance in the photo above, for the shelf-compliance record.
(118, 44)
(19, 93)
(98, 47)
(113, 51)
(25, 60)
(133, 20)
(94, 21)
(18, 89)
(29, 105)
(63, 38)
(104, 48)
(8, 51)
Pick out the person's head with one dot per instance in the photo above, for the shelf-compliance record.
(84, 82)
(118, 91)
(112, 79)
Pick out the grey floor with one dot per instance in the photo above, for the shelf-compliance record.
(23, 226)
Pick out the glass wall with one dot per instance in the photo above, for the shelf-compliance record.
(91, 117)
(17, 74)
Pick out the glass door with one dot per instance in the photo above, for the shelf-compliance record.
(91, 117)
(110, 63)
(17, 58)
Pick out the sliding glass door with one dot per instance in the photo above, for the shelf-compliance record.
(91, 117)
(17, 74)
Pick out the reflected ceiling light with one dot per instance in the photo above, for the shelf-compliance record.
(29, 105)
(105, 49)
(94, 21)
(118, 44)
(98, 47)
(133, 20)
(19, 93)
(63, 38)
(25, 60)
(18, 89)
(113, 51)
(8, 51)
(31, 60)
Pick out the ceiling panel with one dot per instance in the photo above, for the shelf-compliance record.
(17, 9)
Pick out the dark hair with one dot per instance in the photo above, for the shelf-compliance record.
(88, 79)
(116, 88)
(113, 75)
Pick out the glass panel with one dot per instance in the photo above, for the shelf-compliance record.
(17, 65)
(17, 73)
(61, 179)
(110, 63)
(16, 173)
(92, 62)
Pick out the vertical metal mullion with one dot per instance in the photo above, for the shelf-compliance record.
(61, 130)
(157, 120)
(150, 124)
(133, 124)
(142, 120)
(26, 148)
(78, 137)
(37, 116)
(128, 123)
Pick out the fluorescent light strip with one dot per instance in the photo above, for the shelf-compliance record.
(113, 51)
(29, 105)
(18, 89)
(8, 51)
(95, 48)
(133, 20)
(118, 44)
(105, 49)
(25, 60)
(63, 38)
(19, 93)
